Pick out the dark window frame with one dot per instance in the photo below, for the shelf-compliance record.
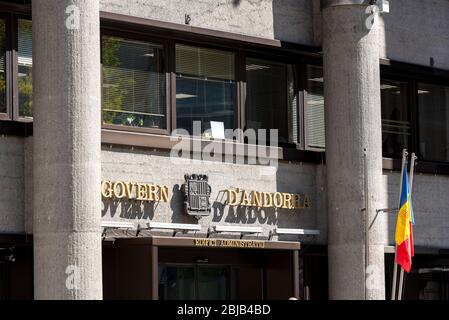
(215, 46)
(241, 52)
(8, 17)
(297, 63)
(15, 68)
(152, 39)
(244, 46)
(12, 14)
(317, 62)
(415, 94)
(414, 74)
(413, 118)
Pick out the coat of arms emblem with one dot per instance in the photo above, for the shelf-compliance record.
(196, 195)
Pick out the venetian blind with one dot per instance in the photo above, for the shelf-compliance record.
(25, 43)
(3, 84)
(134, 82)
(292, 105)
(270, 98)
(204, 62)
(314, 109)
(2, 46)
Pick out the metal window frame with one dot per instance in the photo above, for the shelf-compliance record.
(304, 142)
(113, 32)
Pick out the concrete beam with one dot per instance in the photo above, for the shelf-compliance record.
(67, 149)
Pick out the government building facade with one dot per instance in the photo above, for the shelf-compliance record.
(221, 149)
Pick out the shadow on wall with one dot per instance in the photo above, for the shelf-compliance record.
(293, 21)
(416, 32)
(177, 207)
(241, 214)
(128, 209)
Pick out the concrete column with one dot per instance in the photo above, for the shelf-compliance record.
(67, 149)
(353, 123)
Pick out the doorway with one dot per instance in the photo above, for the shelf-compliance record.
(137, 269)
(210, 282)
(194, 282)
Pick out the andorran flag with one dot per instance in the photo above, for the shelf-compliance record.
(404, 226)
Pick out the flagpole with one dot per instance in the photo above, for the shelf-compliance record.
(401, 284)
(395, 269)
(412, 171)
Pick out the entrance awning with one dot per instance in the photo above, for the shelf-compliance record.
(146, 238)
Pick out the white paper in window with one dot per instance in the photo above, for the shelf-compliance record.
(217, 129)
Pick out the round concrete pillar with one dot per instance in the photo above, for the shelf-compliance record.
(353, 124)
(67, 149)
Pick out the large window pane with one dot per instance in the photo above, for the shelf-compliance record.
(395, 118)
(271, 100)
(25, 65)
(205, 88)
(134, 83)
(176, 283)
(433, 122)
(3, 108)
(212, 283)
(314, 109)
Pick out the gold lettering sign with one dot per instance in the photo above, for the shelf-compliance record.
(134, 191)
(249, 244)
(256, 199)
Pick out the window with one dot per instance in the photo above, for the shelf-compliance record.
(271, 98)
(16, 61)
(134, 83)
(3, 106)
(314, 109)
(396, 126)
(25, 66)
(433, 121)
(196, 282)
(206, 89)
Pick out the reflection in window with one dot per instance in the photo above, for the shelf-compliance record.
(314, 109)
(25, 65)
(433, 113)
(212, 283)
(3, 108)
(134, 83)
(176, 283)
(205, 88)
(395, 118)
(271, 100)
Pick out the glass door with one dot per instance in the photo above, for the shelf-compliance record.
(194, 282)
(212, 283)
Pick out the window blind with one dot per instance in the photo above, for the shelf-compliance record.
(270, 97)
(314, 109)
(25, 43)
(133, 83)
(204, 62)
(3, 108)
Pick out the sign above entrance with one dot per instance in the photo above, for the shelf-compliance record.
(197, 192)
(237, 197)
(229, 243)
